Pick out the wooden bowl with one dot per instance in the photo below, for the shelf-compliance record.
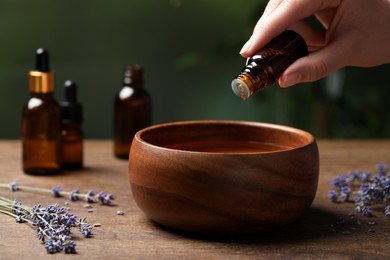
(223, 176)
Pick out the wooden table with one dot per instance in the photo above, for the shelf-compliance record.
(134, 236)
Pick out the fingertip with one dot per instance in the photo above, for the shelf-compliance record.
(288, 80)
(245, 48)
(311, 68)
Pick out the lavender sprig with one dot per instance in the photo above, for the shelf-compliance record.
(105, 199)
(57, 192)
(371, 189)
(53, 224)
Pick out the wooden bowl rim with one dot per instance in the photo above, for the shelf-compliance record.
(295, 131)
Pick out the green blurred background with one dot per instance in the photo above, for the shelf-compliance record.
(190, 52)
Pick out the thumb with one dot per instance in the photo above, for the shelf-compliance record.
(317, 65)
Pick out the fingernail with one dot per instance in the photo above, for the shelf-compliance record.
(290, 80)
(246, 46)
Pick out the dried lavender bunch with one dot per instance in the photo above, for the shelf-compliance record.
(53, 224)
(56, 191)
(367, 190)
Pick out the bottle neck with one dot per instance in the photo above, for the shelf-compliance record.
(251, 79)
(71, 125)
(71, 113)
(132, 77)
(135, 84)
(43, 96)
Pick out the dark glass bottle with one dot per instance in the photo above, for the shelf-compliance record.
(264, 68)
(132, 110)
(72, 134)
(41, 131)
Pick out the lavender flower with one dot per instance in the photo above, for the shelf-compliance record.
(52, 246)
(371, 191)
(105, 199)
(386, 189)
(362, 205)
(363, 176)
(357, 176)
(20, 219)
(69, 247)
(387, 211)
(382, 169)
(345, 193)
(332, 195)
(68, 219)
(339, 181)
(84, 228)
(74, 195)
(14, 186)
(366, 211)
(377, 188)
(90, 195)
(109, 198)
(56, 191)
(53, 224)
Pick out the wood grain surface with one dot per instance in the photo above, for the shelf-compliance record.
(133, 236)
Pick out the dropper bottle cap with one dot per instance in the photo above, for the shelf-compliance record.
(71, 109)
(133, 75)
(243, 86)
(41, 80)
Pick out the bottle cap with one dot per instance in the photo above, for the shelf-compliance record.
(71, 109)
(132, 75)
(40, 79)
(241, 89)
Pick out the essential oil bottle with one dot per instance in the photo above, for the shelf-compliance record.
(71, 130)
(264, 68)
(132, 110)
(41, 129)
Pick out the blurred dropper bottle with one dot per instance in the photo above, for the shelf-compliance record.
(71, 131)
(132, 110)
(41, 129)
(264, 68)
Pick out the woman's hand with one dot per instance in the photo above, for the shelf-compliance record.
(356, 33)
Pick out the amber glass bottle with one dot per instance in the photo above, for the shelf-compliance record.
(264, 68)
(132, 110)
(72, 134)
(41, 131)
